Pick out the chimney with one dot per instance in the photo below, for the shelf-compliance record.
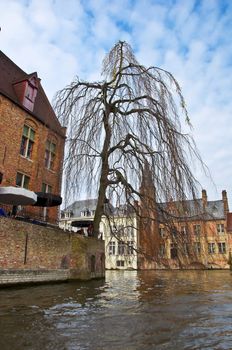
(204, 199)
(225, 203)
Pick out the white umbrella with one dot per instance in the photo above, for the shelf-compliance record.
(17, 196)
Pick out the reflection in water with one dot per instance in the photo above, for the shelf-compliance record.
(129, 310)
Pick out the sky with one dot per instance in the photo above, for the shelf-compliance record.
(61, 39)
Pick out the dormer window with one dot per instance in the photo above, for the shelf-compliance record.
(26, 91)
(85, 212)
(30, 94)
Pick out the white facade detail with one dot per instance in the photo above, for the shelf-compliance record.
(120, 242)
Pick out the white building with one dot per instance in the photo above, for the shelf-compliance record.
(78, 216)
(119, 231)
(120, 235)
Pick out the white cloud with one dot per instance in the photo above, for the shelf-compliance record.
(60, 39)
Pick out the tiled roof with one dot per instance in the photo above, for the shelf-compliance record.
(78, 206)
(10, 73)
(190, 210)
(194, 209)
(86, 205)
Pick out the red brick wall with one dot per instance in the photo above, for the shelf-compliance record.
(12, 120)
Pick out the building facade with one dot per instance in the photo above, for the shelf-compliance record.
(78, 216)
(200, 238)
(120, 234)
(32, 139)
(118, 230)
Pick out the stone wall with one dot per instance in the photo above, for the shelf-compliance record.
(13, 277)
(29, 248)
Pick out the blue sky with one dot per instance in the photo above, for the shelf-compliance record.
(192, 39)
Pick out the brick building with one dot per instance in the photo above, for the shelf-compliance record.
(194, 234)
(172, 235)
(199, 234)
(32, 139)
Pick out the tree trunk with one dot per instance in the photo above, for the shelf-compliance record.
(104, 170)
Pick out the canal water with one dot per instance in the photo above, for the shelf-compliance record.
(128, 310)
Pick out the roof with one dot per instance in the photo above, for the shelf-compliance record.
(124, 209)
(194, 209)
(78, 206)
(187, 210)
(10, 73)
(86, 205)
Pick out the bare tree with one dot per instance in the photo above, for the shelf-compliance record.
(132, 118)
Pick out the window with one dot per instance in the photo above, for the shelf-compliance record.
(67, 214)
(186, 248)
(130, 248)
(50, 153)
(183, 230)
(220, 229)
(173, 251)
(112, 248)
(120, 263)
(197, 247)
(30, 92)
(121, 248)
(22, 180)
(119, 231)
(27, 142)
(197, 230)
(46, 188)
(174, 232)
(161, 250)
(222, 248)
(131, 232)
(162, 232)
(86, 212)
(211, 248)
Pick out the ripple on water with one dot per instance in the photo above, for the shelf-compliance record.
(130, 310)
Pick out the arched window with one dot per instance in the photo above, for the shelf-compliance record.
(50, 154)
(27, 142)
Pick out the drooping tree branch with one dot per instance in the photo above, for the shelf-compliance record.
(132, 118)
